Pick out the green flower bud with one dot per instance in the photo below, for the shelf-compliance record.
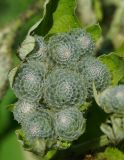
(111, 100)
(94, 71)
(69, 124)
(29, 80)
(83, 41)
(62, 49)
(23, 109)
(64, 88)
(39, 125)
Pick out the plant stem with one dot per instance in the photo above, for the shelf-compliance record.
(49, 155)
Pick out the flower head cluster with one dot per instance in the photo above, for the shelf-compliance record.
(50, 98)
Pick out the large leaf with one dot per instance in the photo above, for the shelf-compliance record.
(62, 20)
(95, 31)
(116, 66)
(120, 52)
(64, 17)
(41, 28)
(44, 24)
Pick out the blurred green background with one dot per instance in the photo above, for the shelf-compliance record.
(10, 10)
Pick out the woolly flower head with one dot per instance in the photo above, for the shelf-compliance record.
(94, 71)
(111, 100)
(69, 124)
(39, 125)
(29, 80)
(62, 49)
(64, 88)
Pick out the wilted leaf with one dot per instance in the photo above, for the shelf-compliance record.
(26, 47)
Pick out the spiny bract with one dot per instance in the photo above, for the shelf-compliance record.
(94, 71)
(69, 124)
(83, 41)
(40, 50)
(111, 100)
(29, 80)
(39, 125)
(64, 88)
(62, 49)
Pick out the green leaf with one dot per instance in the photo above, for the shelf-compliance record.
(95, 31)
(120, 52)
(41, 27)
(64, 17)
(116, 66)
(111, 153)
(40, 23)
(10, 149)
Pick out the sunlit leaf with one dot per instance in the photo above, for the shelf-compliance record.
(116, 66)
(64, 17)
(95, 31)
